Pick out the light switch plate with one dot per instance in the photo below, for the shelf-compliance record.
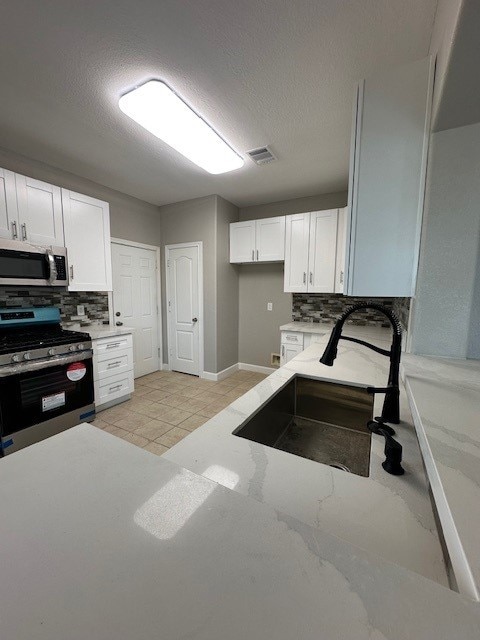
(80, 310)
(269, 306)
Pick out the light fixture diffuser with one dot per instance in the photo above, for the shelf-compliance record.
(159, 110)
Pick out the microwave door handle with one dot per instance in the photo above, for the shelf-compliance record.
(52, 267)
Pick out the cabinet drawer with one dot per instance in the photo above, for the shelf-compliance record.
(113, 387)
(108, 364)
(112, 345)
(292, 337)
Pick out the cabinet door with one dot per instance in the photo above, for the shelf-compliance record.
(87, 238)
(39, 212)
(323, 251)
(387, 180)
(341, 243)
(242, 241)
(270, 239)
(289, 351)
(8, 206)
(296, 252)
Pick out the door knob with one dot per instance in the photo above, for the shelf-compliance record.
(119, 324)
(118, 314)
(194, 319)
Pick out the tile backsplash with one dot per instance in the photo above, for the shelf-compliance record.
(95, 303)
(318, 307)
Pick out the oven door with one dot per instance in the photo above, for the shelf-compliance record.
(40, 398)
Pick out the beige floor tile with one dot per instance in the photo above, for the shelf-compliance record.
(233, 395)
(171, 387)
(210, 396)
(115, 431)
(174, 416)
(153, 429)
(131, 421)
(136, 404)
(224, 387)
(135, 439)
(140, 391)
(246, 386)
(192, 405)
(212, 409)
(191, 391)
(101, 424)
(239, 376)
(193, 422)
(155, 395)
(113, 414)
(155, 447)
(155, 410)
(172, 437)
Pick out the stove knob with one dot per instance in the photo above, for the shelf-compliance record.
(71, 347)
(80, 346)
(16, 358)
(26, 356)
(51, 352)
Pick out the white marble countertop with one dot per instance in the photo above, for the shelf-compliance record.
(102, 540)
(359, 331)
(98, 331)
(445, 399)
(384, 514)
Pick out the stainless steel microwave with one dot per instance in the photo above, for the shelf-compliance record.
(24, 264)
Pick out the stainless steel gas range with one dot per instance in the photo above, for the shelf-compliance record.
(46, 377)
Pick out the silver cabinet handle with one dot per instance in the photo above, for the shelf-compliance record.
(292, 338)
(24, 231)
(117, 363)
(71, 272)
(304, 277)
(257, 254)
(117, 386)
(341, 277)
(253, 255)
(311, 277)
(14, 230)
(283, 351)
(111, 345)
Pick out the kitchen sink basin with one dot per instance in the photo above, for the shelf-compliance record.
(322, 421)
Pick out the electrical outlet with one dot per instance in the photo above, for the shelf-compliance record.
(269, 306)
(80, 310)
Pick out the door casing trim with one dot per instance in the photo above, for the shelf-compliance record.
(150, 247)
(201, 337)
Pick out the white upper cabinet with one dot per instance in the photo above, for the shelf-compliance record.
(322, 252)
(341, 247)
(8, 206)
(310, 252)
(242, 241)
(40, 219)
(258, 240)
(87, 238)
(270, 239)
(387, 180)
(297, 237)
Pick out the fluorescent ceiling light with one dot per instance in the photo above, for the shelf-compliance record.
(159, 110)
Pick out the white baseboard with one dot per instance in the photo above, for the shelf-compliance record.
(243, 366)
(221, 375)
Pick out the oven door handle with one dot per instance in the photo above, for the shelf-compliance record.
(43, 363)
(52, 267)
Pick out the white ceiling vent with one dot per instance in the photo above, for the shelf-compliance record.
(263, 155)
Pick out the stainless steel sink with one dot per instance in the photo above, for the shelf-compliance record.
(321, 421)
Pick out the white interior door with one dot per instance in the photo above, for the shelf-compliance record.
(183, 308)
(135, 302)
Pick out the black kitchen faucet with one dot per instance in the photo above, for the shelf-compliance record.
(391, 404)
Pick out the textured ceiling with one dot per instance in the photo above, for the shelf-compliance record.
(276, 72)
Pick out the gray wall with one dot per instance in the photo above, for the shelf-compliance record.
(227, 288)
(446, 305)
(130, 218)
(192, 221)
(259, 334)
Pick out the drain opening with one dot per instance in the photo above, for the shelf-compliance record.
(339, 465)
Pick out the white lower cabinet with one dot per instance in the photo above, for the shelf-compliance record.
(112, 370)
(294, 342)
